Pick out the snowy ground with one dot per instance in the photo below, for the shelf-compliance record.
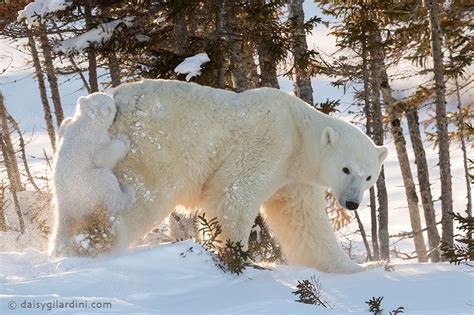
(160, 280)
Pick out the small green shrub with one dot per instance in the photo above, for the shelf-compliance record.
(310, 292)
(262, 245)
(398, 310)
(230, 257)
(464, 249)
(375, 307)
(233, 257)
(210, 230)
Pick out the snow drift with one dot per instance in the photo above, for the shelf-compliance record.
(182, 278)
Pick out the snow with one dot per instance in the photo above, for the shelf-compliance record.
(98, 35)
(192, 65)
(182, 278)
(35, 11)
(37, 217)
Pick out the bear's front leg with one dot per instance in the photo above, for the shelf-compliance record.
(235, 211)
(234, 196)
(296, 214)
(109, 155)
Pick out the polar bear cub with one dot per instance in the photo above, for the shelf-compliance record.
(83, 180)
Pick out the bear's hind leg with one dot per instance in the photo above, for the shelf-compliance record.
(296, 215)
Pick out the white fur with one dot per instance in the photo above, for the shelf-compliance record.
(231, 155)
(82, 170)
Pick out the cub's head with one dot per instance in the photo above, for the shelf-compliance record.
(97, 107)
(350, 163)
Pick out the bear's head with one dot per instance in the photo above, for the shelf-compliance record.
(350, 164)
(97, 107)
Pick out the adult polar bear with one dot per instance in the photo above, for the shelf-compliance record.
(231, 154)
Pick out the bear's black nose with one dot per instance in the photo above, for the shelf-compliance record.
(352, 205)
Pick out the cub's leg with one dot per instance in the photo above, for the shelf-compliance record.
(62, 236)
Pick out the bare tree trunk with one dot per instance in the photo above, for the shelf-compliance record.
(23, 152)
(423, 181)
(181, 32)
(18, 210)
(383, 217)
(264, 46)
(251, 72)
(114, 68)
(91, 55)
(7, 160)
(8, 150)
(465, 161)
(303, 88)
(234, 42)
(51, 74)
(373, 223)
(3, 220)
(464, 151)
(217, 40)
(48, 118)
(408, 182)
(378, 136)
(12, 179)
(268, 72)
(368, 116)
(441, 123)
(364, 237)
(242, 63)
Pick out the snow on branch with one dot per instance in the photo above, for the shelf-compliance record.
(98, 35)
(192, 65)
(36, 11)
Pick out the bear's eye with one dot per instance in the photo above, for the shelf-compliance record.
(369, 178)
(346, 170)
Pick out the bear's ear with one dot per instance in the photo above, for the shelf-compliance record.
(329, 136)
(83, 102)
(85, 107)
(383, 152)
